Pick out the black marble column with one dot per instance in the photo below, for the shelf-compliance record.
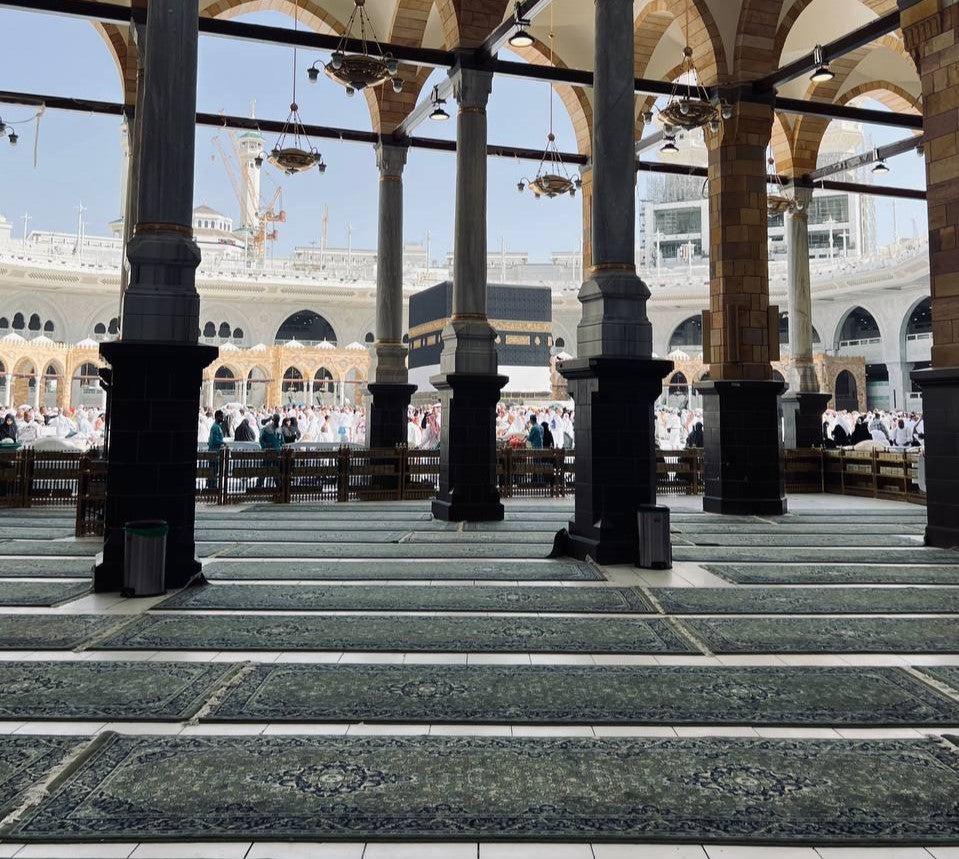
(156, 367)
(613, 381)
(741, 427)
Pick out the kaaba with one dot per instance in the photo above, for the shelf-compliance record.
(522, 317)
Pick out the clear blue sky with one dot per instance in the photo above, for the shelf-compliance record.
(79, 155)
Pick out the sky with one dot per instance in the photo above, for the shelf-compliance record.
(79, 155)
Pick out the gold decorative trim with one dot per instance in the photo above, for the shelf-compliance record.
(146, 227)
(511, 325)
(614, 266)
(458, 316)
(479, 110)
(391, 179)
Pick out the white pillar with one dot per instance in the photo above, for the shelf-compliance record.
(800, 293)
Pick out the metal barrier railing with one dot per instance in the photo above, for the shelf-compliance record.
(31, 478)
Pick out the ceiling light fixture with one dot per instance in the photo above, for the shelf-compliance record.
(822, 73)
(881, 166)
(364, 69)
(439, 114)
(521, 38)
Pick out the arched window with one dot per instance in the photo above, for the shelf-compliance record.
(306, 327)
(237, 333)
(920, 320)
(688, 333)
(99, 329)
(323, 381)
(4, 322)
(560, 343)
(784, 330)
(48, 327)
(369, 337)
(18, 322)
(35, 323)
(224, 330)
(114, 326)
(678, 385)
(293, 381)
(209, 330)
(859, 325)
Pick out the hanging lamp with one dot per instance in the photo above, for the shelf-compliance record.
(689, 105)
(552, 176)
(779, 202)
(293, 152)
(364, 69)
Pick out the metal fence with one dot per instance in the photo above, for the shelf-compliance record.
(31, 478)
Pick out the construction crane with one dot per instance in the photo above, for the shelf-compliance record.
(251, 209)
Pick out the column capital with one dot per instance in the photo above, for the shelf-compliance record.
(471, 87)
(391, 158)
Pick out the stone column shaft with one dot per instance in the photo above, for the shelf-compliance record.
(391, 393)
(468, 384)
(800, 292)
(161, 303)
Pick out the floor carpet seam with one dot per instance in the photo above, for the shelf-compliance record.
(940, 686)
(217, 694)
(688, 634)
(38, 792)
(91, 641)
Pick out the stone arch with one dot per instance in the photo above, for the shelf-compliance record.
(293, 381)
(466, 23)
(689, 332)
(917, 319)
(755, 54)
(857, 320)
(846, 392)
(24, 381)
(709, 53)
(257, 382)
(306, 325)
(85, 387)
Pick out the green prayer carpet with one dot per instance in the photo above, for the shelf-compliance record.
(554, 571)
(848, 792)
(86, 548)
(813, 554)
(243, 597)
(808, 600)
(828, 635)
(41, 568)
(50, 631)
(273, 534)
(836, 574)
(785, 538)
(405, 551)
(155, 691)
(41, 593)
(592, 695)
(397, 633)
(948, 674)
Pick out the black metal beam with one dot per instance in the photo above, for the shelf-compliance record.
(348, 135)
(526, 10)
(106, 13)
(840, 47)
(854, 114)
(866, 158)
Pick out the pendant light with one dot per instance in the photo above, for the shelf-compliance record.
(521, 38)
(822, 73)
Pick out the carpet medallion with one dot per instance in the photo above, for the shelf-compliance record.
(437, 634)
(784, 600)
(24, 761)
(41, 593)
(838, 574)
(584, 695)
(156, 691)
(243, 597)
(828, 635)
(553, 571)
(716, 789)
(50, 631)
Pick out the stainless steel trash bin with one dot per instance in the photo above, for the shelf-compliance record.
(144, 558)
(655, 549)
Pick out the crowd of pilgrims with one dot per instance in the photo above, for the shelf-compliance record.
(539, 427)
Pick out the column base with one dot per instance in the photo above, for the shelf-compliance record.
(468, 490)
(744, 468)
(940, 412)
(802, 418)
(615, 453)
(151, 451)
(386, 426)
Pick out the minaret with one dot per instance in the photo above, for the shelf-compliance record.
(249, 145)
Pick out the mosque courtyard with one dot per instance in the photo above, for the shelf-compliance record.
(358, 677)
